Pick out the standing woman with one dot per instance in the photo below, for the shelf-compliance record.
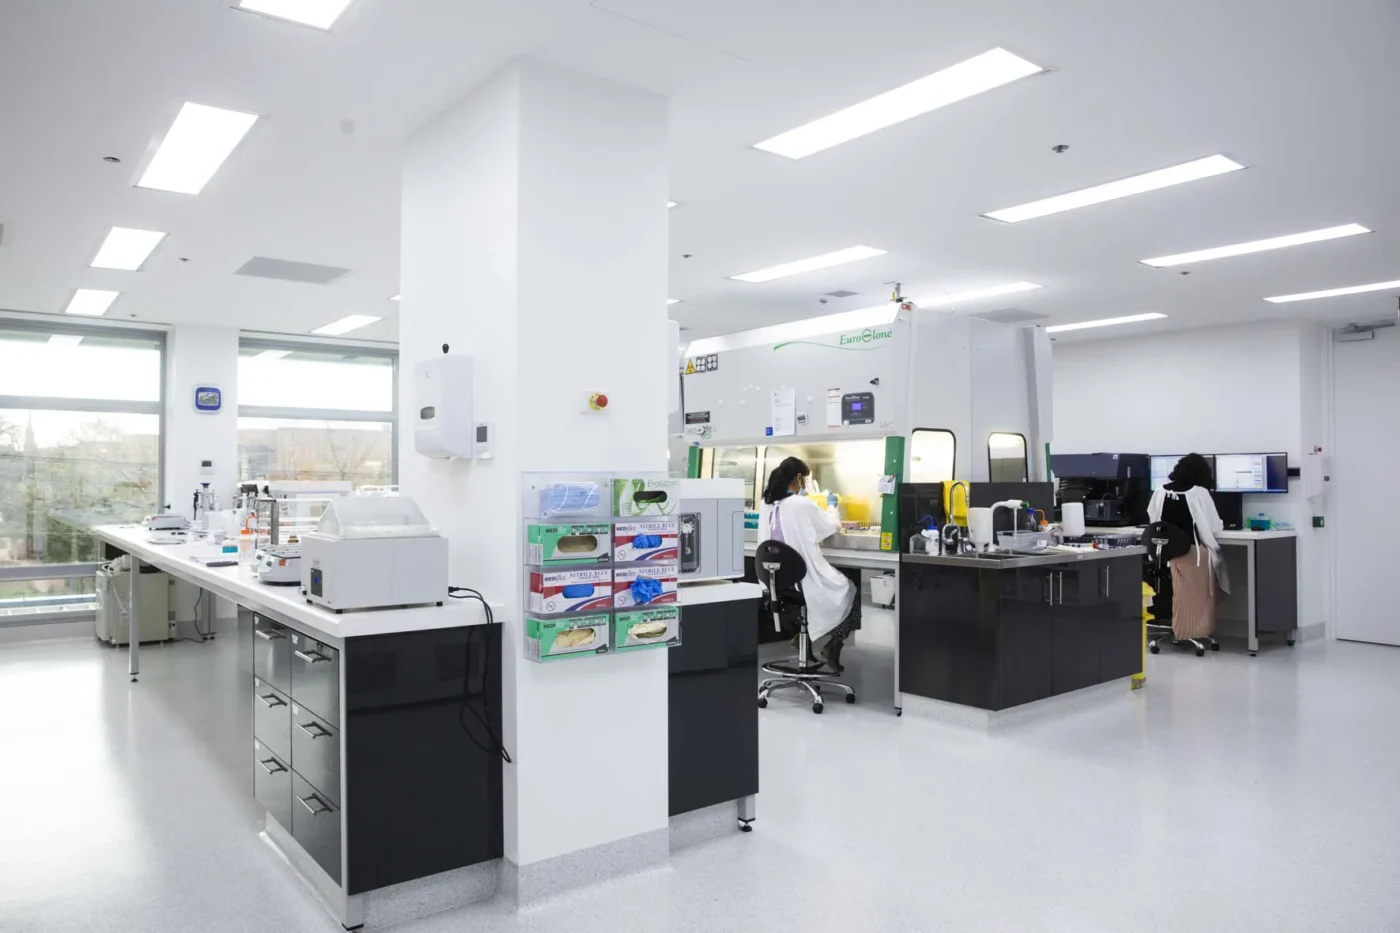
(1186, 503)
(833, 606)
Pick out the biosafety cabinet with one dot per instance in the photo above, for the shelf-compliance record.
(928, 397)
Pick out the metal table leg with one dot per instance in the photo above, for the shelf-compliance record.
(1253, 612)
(134, 620)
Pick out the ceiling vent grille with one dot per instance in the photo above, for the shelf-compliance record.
(841, 294)
(263, 268)
(1010, 316)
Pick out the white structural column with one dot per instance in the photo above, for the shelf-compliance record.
(535, 241)
(200, 356)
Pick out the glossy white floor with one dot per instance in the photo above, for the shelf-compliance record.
(1233, 794)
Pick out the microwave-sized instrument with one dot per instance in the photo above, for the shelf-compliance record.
(711, 516)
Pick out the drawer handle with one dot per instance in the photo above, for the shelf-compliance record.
(314, 657)
(314, 811)
(320, 733)
(272, 700)
(272, 766)
(268, 636)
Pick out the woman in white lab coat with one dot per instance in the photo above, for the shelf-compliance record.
(1196, 575)
(833, 605)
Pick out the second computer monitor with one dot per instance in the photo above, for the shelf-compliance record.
(1254, 473)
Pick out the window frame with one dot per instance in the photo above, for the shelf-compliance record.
(1025, 456)
(294, 344)
(74, 570)
(953, 474)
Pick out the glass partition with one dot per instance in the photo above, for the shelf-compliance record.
(1006, 454)
(734, 463)
(851, 469)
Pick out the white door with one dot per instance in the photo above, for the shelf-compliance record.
(1364, 467)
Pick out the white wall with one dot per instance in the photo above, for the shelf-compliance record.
(1260, 387)
(535, 240)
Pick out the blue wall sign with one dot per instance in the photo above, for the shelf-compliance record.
(208, 398)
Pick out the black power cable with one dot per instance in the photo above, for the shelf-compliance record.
(465, 592)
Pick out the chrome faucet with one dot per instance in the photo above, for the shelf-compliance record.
(960, 543)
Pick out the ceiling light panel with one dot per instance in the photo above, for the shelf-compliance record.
(825, 261)
(200, 140)
(673, 301)
(126, 248)
(346, 324)
(273, 355)
(91, 302)
(1257, 246)
(1106, 322)
(64, 340)
(395, 297)
(957, 82)
(1126, 187)
(321, 14)
(1336, 292)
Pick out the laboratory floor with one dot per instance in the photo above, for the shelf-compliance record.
(1233, 794)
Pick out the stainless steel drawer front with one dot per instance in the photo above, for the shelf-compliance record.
(272, 718)
(316, 751)
(316, 826)
(272, 653)
(316, 677)
(272, 784)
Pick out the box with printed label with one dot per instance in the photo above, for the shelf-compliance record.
(576, 590)
(646, 585)
(638, 498)
(567, 544)
(637, 629)
(562, 639)
(646, 541)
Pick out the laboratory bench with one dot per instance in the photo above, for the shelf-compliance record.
(374, 741)
(851, 562)
(992, 632)
(1253, 558)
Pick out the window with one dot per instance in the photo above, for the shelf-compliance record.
(316, 412)
(932, 455)
(80, 445)
(1006, 454)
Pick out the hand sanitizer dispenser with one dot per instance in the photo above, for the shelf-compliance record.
(443, 426)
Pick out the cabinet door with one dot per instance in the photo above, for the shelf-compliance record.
(272, 719)
(1026, 639)
(1120, 651)
(316, 826)
(316, 677)
(272, 653)
(316, 751)
(1080, 584)
(272, 784)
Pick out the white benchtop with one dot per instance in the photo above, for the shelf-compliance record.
(1227, 536)
(847, 557)
(717, 591)
(240, 586)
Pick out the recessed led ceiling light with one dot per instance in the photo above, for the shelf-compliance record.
(673, 301)
(825, 261)
(64, 340)
(199, 141)
(952, 84)
(1336, 292)
(346, 324)
(1106, 322)
(940, 301)
(395, 297)
(319, 13)
(91, 302)
(671, 204)
(126, 249)
(273, 354)
(1138, 184)
(1257, 246)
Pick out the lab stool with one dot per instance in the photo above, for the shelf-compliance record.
(781, 571)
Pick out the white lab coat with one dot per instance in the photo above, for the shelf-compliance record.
(805, 525)
(1206, 519)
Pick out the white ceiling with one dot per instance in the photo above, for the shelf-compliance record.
(1302, 92)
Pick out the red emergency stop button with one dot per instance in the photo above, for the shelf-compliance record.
(598, 401)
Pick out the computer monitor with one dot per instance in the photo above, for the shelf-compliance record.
(1163, 464)
(1252, 473)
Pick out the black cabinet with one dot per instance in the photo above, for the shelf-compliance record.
(272, 653)
(316, 826)
(316, 676)
(994, 639)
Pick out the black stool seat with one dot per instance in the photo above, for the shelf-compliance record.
(781, 570)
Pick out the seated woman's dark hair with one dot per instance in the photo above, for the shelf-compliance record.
(781, 478)
(1192, 470)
